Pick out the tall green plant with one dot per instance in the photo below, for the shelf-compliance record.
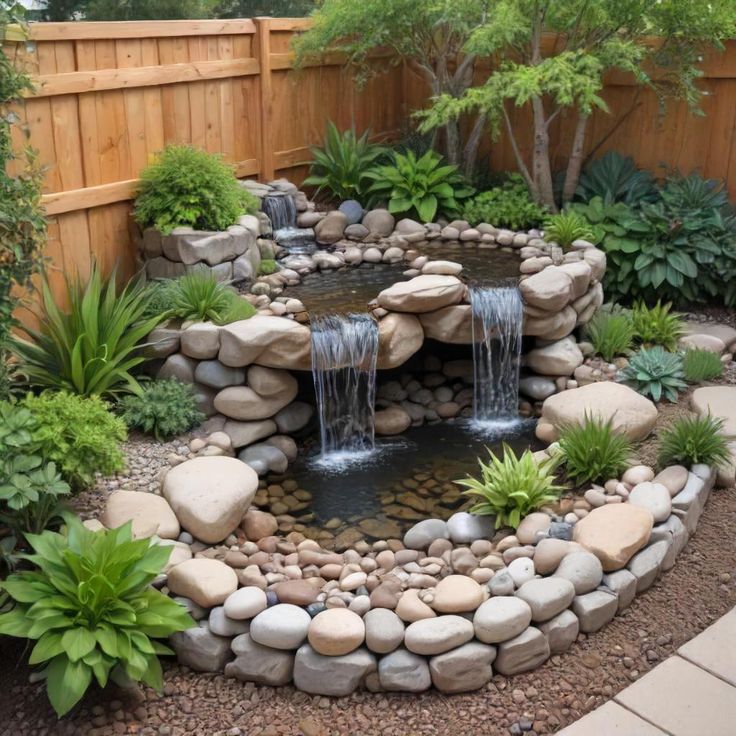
(615, 178)
(566, 227)
(657, 325)
(340, 167)
(90, 607)
(92, 348)
(611, 334)
(692, 439)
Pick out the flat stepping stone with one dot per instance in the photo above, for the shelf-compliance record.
(712, 650)
(611, 720)
(721, 331)
(718, 401)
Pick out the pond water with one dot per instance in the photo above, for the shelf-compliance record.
(380, 495)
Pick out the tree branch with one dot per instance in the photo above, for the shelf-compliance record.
(515, 147)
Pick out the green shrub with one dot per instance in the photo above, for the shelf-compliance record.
(30, 487)
(701, 365)
(594, 451)
(92, 348)
(160, 299)
(655, 372)
(267, 266)
(340, 168)
(567, 227)
(509, 205)
(165, 408)
(186, 187)
(690, 440)
(513, 487)
(79, 434)
(611, 334)
(615, 178)
(419, 187)
(91, 609)
(200, 297)
(657, 325)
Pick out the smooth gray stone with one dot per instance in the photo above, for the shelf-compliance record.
(463, 669)
(522, 653)
(561, 631)
(595, 609)
(320, 675)
(403, 671)
(645, 565)
(201, 650)
(256, 663)
(623, 583)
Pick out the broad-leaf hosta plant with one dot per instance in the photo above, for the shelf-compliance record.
(92, 347)
(655, 373)
(91, 610)
(511, 487)
(419, 187)
(593, 451)
(340, 167)
(690, 440)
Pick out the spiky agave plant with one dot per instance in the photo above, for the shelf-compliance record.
(511, 487)
(656, 373)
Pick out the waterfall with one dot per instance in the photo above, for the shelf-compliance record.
(344, 352)
(498, 315)
(281, 210)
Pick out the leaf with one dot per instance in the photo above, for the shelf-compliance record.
(66, 683)
(48, 646)
(78, 642)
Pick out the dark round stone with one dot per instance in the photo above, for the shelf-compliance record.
(560, 530)
(271, 598)
(314, 608)
(353, 210)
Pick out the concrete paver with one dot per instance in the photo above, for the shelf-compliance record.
(715, 649)
(611, 719)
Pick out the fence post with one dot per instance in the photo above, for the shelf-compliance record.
(263, 26)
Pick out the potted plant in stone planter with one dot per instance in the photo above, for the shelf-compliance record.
(196, 216)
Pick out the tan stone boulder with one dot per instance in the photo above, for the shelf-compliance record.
(629, 412)
(207, 582)
(457, 594)
(561, 358)
(718, 401)
(726, 333)
(550, 289)
(702, 341)
(210, 495)
(597, 261)
(150, 514)
(422, 294)
(580, 272)
(553, 326)
(274, 342)
(336, 631)
(247, 404)
(391, 420)
(453, 325)
(399, 337)
(614, 533)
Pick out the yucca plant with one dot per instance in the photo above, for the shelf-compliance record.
(92, 348)
(593, 451)
(200, 297)
(611, 334)
(512, 487)
(419, 187)
(567, 227)
(693, 439)
(655, 372)
(657, 325)
(91, 608)
(701, 365)
(340, 167)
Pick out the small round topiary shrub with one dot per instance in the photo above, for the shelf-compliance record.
(188, 187)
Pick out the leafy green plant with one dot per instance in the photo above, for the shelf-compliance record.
(657, 325)
(701, 365)
(187, 187)
(593, 451)
(509, 205)
(420, 187)
(30, 487)
(80, 434)
(200, 297)
(611, 334)
(340, 168)
(655, 372)
(567, 227)
(165, 408)
(615, 178)
(160, 299)
(92, 348)
(512, 487)
(90, 608)
(267, 266)
(692, 439)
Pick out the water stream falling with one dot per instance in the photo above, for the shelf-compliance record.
(344, 352)
(281, 210)
(497, 332)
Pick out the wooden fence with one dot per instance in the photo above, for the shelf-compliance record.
(110, 95)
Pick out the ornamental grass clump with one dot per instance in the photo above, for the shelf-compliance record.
(567, 227)
(657, 325)
(691, 440)
(89, 605)
(593, 451)
(611, 334)
(200, 297)
(166, 408)
(656, 373)
(701, 365)
(512, 487)
(187, 187)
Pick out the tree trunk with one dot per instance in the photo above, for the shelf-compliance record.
(470, 153)
(452, 141)
(541, 167)
(575, 164)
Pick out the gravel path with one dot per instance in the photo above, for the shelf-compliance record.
(700, 588)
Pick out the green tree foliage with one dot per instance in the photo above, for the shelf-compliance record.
(22, 225)
(257, 8)
(427, 34)
(593, 38)
(62, 10)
